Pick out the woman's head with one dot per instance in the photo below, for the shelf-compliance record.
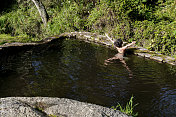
(118, 43)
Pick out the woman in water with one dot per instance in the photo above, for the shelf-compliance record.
(121, 51)
(118, 45)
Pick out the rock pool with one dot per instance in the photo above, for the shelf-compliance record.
(76, 70)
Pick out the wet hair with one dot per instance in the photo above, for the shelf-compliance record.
(118, 43)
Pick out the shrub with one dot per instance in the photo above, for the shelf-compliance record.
(66, 20)
(128, 108)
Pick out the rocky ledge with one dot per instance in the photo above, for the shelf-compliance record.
(90, 37)
(52, 107)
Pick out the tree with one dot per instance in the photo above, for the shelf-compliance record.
(42, 11)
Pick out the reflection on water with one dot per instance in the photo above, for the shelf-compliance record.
(77, 71)
(120, 57)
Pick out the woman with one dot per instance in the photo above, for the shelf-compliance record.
(120, 55)
(118, 44)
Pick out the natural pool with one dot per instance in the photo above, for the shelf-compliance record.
(76, 70)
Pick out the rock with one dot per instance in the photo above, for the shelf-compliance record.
(18, 44)
(169, 59)
(157, 58)
(141, 54)
(45, 106)
(16, 108)
(142, 49)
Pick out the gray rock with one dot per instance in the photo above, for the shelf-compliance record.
(142, 49)
(157, 58)
(141, 54)
(45, 106)
(15, 108)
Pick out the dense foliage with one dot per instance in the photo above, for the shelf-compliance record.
(152, 23)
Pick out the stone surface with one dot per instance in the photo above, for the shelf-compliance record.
(157, 58)
(45, 106)
(16, 108)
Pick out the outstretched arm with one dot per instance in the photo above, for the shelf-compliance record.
(128, 45)
(109, 38)
(122, 50)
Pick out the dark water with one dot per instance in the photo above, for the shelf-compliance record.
(77, 71)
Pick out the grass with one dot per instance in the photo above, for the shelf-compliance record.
(128, 109)
(6, 38)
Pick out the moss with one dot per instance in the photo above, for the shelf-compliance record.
(53, 115)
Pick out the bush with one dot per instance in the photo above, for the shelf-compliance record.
(21, 22)
(65, 20)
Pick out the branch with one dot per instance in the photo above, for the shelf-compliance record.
(42, 11)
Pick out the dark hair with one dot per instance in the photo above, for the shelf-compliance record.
(118, 43)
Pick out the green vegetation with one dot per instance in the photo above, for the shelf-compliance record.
(6, 38)
(152, 23)
(128, 109)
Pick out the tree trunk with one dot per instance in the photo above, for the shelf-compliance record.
(42, 11)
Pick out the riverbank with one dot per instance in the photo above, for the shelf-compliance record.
(98, 39)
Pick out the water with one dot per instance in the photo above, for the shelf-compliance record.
(77, 70)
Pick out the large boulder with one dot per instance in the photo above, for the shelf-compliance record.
(45, 106)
